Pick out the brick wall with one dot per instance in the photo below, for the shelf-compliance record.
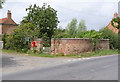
(8, 28)
(75, 45)
(104, 44)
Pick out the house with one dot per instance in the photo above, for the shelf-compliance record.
(7, 25)
(109, 26)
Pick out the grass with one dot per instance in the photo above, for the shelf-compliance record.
(0, 38)
(12, 52)
(99, 53)
(82, 55)
(8, 51)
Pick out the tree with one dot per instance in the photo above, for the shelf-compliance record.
(60, 33)
(43, 18)
(81, 29)
(72, 28)
(40, 23)
(81, 26)
(1, 2)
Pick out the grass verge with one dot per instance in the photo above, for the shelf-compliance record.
(82, 55)
(98, 53)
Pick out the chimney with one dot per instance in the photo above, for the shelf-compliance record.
(115, 15)
(9, 14)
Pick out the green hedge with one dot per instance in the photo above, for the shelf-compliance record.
(113, 38)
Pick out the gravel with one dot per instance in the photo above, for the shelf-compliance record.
(14, 63)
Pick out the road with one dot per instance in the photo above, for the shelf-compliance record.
(99, 68)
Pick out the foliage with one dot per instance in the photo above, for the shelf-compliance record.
(98, 53)
(60, 33)
(82, 55)
(16, 40)
(81, 34)
(0, 37)
(113, 38)
(72, 28)
(43, 18)
(94, 36)
(34, 50)
(4, 39)
(46, 40)
(81, 29)
(1, 2)
(41, 22)
(81, 26)
(119, 41)
(116, 20)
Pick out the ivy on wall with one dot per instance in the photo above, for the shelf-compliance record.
(116, 20)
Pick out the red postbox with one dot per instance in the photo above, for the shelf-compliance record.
(33, 44)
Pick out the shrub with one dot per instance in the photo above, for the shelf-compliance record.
(17, 39)
(60, 54)
(34, 50)
(24, 50)
(113, 38)
(29, 52)
(4, 39)
(40, 51)
(95, 37)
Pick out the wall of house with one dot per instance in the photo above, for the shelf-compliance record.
(73, 45)
(8, 28)
(8, 24)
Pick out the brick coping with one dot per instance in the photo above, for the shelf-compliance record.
(77, 39)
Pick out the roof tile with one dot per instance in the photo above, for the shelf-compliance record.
(2, 20)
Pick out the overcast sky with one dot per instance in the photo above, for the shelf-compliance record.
(96, 13)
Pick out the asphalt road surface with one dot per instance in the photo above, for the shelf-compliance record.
(102, 68)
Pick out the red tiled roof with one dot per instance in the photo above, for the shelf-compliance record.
(2, 20)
